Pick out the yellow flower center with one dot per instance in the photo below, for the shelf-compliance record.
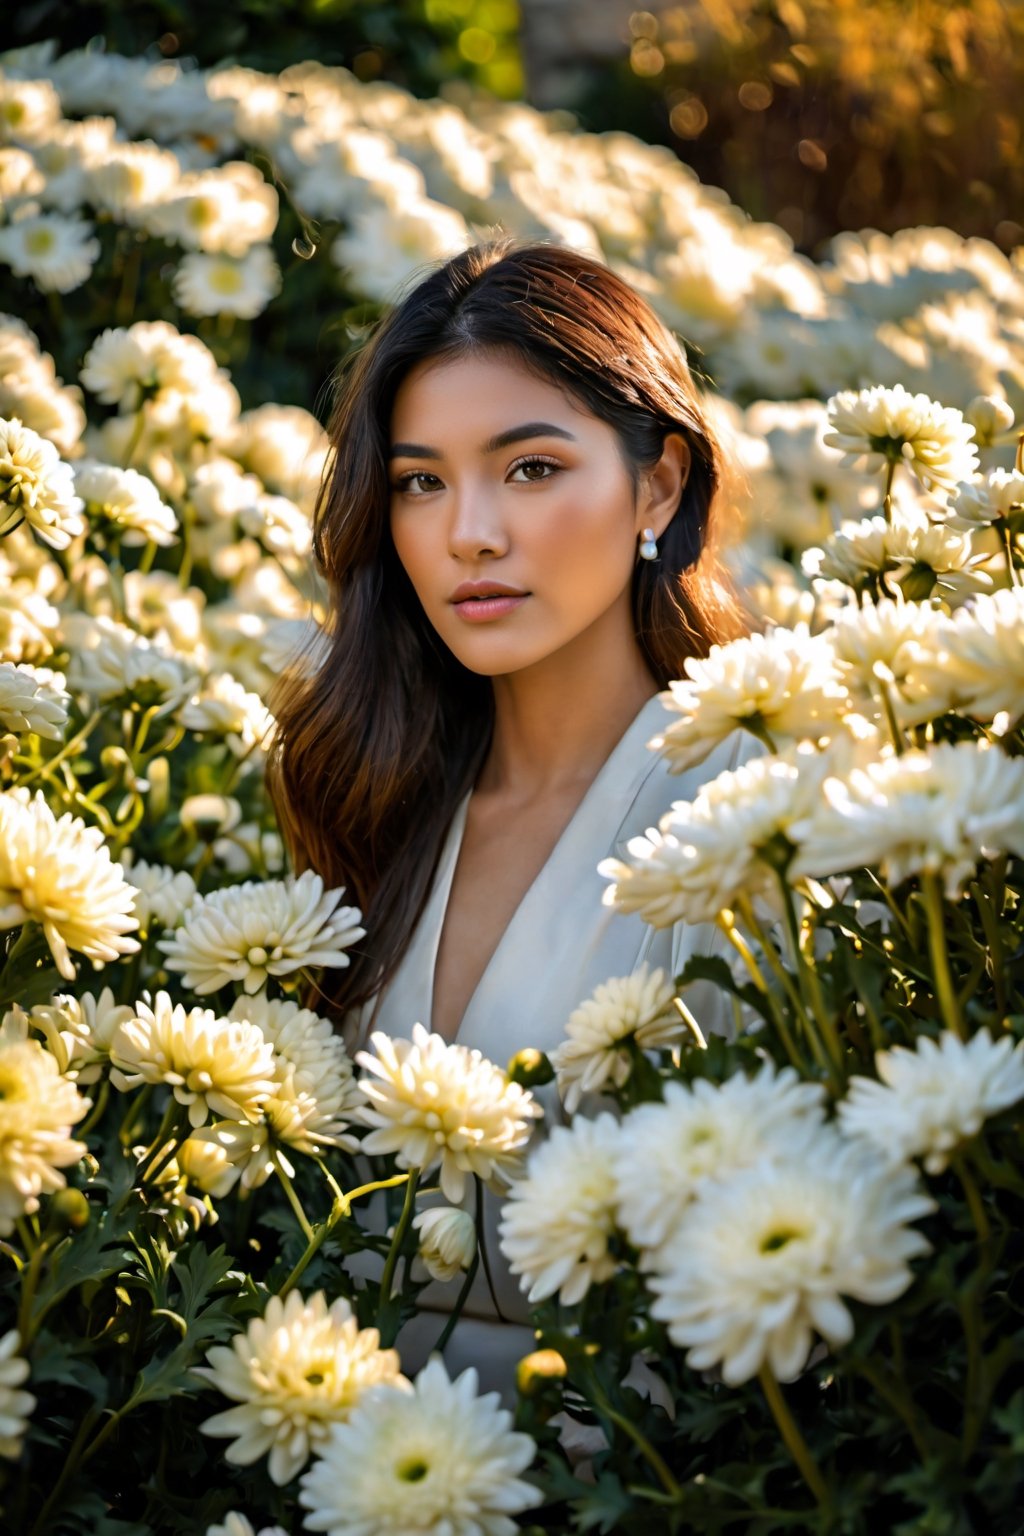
(225, 279)
(40, 242)
(413, 1470)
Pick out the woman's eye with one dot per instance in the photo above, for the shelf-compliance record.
(530, 466)
(405, 482)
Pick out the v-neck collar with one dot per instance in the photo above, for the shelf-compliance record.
(610, 793)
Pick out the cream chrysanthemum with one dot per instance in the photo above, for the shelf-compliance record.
(32, 699)
(917, 554)
(996, 497)
(874, 427)
(57, 253)
(666, 1152)
(975, 665)
(36, 487)
(722, 845)
(560, 1214)
(876, 645)
(213, 1065)
(59, 873)
(79, 1030)
(128, 501)
(245, 933)
(160, 894)
(314, 1098)
(294, 1372)
(109, 661)
(15, 1403)
(208, 283)
(762, 1260)
(447, 1241)
(781, 686)
(934, 1098)
(599, 1032)
(224, 708)
(235, 1524)
(439, 1103)
(433, 1459)
(938, 811)
(38, 1108)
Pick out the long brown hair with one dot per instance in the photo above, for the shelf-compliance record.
(377, 745)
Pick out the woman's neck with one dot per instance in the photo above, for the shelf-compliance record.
(555, 724)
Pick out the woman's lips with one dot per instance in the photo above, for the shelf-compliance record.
(477, 610)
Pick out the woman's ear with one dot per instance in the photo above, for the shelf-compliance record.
(662, 487)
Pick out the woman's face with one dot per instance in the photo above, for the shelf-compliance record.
(501, 482)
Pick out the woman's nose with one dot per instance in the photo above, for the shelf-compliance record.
(476, 526)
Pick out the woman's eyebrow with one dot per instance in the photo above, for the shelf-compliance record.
(500, 440)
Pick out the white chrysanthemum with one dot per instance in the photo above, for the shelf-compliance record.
(109, 660)
(224, 211)
(15, 1403)
(161, 894)
(206, 284)
(245, 933)
(28, 620)
(213, 1065)
(235, 1524)
(79, 1030)
(441, 1103)
(560, 1214)
(873, 427)
(782, 685)
(723, 844)
(225, 708)
(995, 497)
(934, 1098)
(206, 1165)
(131, 179)
(124, 367)
(596, 1051)
(447, 1241)
(56, 252)
(285, 446)
(38, 1108)
(32, 699)
(128, 500)
(384, 246)
(29, 110)
(876, 644)
(279, 524)
(432, 1459)
(704, 1131)
(58, 872)
(314, 1097)
(762, 1260)
(36, 487)
(20, 177)
(294, 1372)
(909, 549)
(974, 666)
(937, 811)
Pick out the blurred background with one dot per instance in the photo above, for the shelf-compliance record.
(819, 115)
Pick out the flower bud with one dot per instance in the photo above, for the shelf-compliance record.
(535, 1371)
(447, 1241)
(210, 815)
(991, 417)
(530, 1069)
(69, 1208)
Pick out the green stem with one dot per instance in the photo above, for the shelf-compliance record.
(460, 1302)
(96, 1113)
(890, 475)
(293, 1200)
(29, 1281)
(795, 1443)
(133, 1114)
(654, 1458)
(168, 1124)
(990, 917)
(408, 1206)
(898, 742)
(931, 892)
(72, 1462)
(899, 1401)
(1006, 536)
(342, 1207)
(810, 987)
(174, 1147)
(975, 1396)
(69, 747)
(787, 984)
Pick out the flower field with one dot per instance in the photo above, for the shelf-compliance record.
(775, 1277)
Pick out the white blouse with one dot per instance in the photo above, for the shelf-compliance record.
(560, 944)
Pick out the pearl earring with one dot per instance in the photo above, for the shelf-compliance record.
(648, 548)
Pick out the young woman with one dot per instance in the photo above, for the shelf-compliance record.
(516, 531)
